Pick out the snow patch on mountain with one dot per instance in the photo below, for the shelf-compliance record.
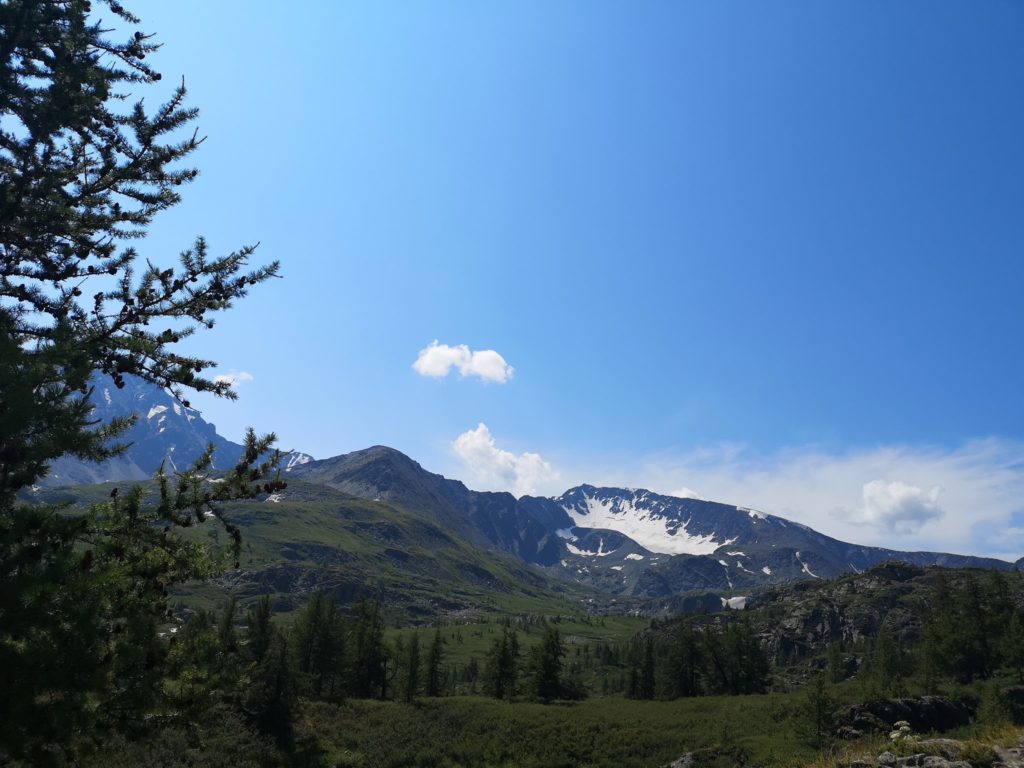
(641, 519)
(584, 553)
(754, 514)
(806, 568)
(565, 533)
(295, 459)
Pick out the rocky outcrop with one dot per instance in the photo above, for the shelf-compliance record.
(945, 753)
(926, 714)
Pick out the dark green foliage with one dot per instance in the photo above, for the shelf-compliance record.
(959, 635)
(889, 664)
(82, 174)
(740, 663)
(684, 663)
(226, 636)
(269, 697)
(702, 660)
(435, 658)
(260, 631)
(369, 664)
(546, 667)
(1013, 644)
(816, 715)
(502, 669)
(836, 667)
(318, 646)
(645, 681)
(410, 660)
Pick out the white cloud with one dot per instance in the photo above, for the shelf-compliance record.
(234, 378)
(968, 499)
(494, 468)
(900, 507)
(437, 360)
(685, 493)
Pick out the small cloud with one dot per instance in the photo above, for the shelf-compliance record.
(686, 493)
(233, 378)
(899, 507)
(437, 360)
(498, 469)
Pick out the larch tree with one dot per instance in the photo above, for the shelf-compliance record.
(84, 168)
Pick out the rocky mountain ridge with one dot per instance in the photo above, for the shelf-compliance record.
(623, 542)
(165, 432)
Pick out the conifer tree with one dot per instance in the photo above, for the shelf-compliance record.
(226, 635)
(260, 631)
(546, 666)
(369, 662)
(645, 685)
(684, 662)
(502, 668)
(83, 171)
(411, 672)
(318, 645)
(269, 698)
(435, 657)
(1013, 644)
(817, 713)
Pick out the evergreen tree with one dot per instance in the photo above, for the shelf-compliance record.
(82, 174)
(269, 698)
(369, 662)
(318, 645)
(546, 666)
(260, 631)
(817, 713)
(887, 665)
(226, 636)
(411, 672)
(435, 657)
(645, 683)
(836, 665)
(502, 669)
(684, 663)
(746, 665)
(1013, 644)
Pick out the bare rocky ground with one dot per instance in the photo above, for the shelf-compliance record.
(947, 753)
(930, 753)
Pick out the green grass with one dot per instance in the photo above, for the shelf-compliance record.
(612, 732)
(320, 538)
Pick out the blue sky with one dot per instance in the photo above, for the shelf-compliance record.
(766, 252)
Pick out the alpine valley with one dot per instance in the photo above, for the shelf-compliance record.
(375, 523)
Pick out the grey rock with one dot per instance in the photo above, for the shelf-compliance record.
(686, 761)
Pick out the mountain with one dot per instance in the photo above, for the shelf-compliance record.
(309, 537)
(165, 432)
(624, 542)
(526, 528)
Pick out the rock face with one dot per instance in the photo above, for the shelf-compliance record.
(165, 432)
(925, 714)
